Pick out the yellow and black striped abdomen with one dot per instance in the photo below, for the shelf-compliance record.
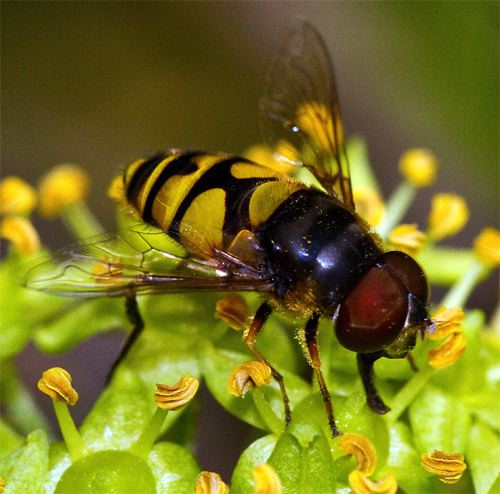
(203, 200)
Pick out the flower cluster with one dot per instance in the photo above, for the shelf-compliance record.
(443, 424)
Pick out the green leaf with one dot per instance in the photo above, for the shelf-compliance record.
(79, 321)
(121, 413)
(9, 439)
(174, 468)
(304, 469)
(439, 422)
(25, 470)
(483, 457)
(217, 366)
(242, 481)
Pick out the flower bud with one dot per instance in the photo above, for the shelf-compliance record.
(449, 467)
(418, 166)
(449, 213)
(56, 383)
(63, 186)
(248, 375)
(176, 396)
(16, 196)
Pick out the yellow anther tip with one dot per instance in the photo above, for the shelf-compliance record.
(63, 186)
(449, 214)
(407, 238)
(21, 233)
(487, 247)
(448, 352)
(56, 383)
(449, 467)
(362, 449)
(233, 310)
(248, 375)
(419, 166)
(361, 484)
(176, 396)
(16, 196)
(210, 483)
(116, 189)
(369, 204)
(448, 320)
(266, 480)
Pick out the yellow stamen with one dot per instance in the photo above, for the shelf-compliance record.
(16, 196)
(21, 233)
(2, 485)
(449, 467)
(360, 484)
(487, 247)
(233, 310)
(369, 204)
(248, 375)
(104, 272)
(362, 449)
(418, 166)
(116, 189)
(314, 119)
(210, 483)
(448, 320)
(407, 238)
(449, 214)
(266, 480)
(63, 186)
(448, 352)
(56, 383)
(176, 396)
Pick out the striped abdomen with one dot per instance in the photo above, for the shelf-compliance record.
(203, 200)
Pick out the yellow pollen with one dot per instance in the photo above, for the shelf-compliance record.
(449, 467)
(21, 233)
(16, 196)
(448, 352)
(449, 214)
(418, 166)
(448, 320)
(56, 383)
(176, 396)
(266, 480)
(407, 238)
(63, 186)
(210, 483)
(362, 449)
(248, 375)
(361, 484)
(233, 310)
(369, 204)
(487, 247)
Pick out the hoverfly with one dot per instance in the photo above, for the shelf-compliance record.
(249, 227)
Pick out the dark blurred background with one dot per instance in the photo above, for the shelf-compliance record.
(101, 83)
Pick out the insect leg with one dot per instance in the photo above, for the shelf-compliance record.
(365, 368)
(311, 333)
(134, 316)
(261, 316)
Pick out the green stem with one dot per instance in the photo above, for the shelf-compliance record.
(408, 392)
(459, 293)
(145, 442)
(274, 424)
(80, 221)
(72, 438)
(396, 207)
(458, 262)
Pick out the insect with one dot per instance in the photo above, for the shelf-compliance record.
(248, 227)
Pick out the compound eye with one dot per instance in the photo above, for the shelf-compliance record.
(409, 272)
(374, 312)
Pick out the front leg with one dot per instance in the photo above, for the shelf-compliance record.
(365, 368)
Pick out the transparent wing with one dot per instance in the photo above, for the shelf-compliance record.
(300, 114)
(142, 261)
